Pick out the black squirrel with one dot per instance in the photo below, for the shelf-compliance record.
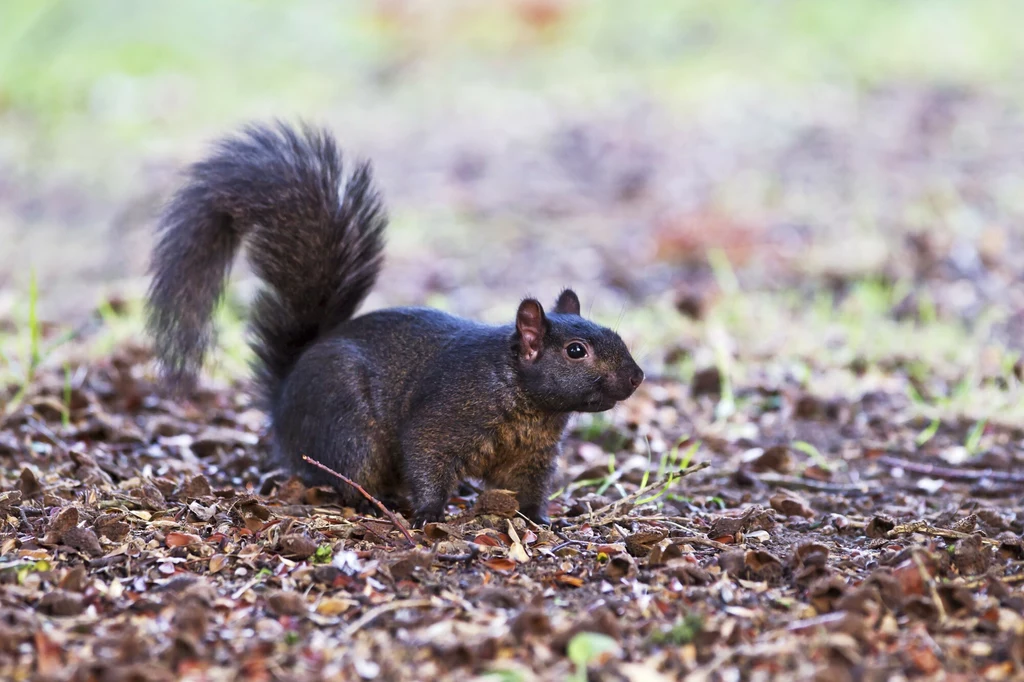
(402, 400)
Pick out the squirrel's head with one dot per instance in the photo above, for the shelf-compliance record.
(569, 364)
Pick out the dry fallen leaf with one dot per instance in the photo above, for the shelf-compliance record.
(516, 551)
(500, 564)
(179, 539)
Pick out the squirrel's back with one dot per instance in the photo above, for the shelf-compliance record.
(314, 238)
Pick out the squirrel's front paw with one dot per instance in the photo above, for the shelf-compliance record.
(536, 514)
(430, 513)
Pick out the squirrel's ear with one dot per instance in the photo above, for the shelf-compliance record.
(568, 303)
(531, 326)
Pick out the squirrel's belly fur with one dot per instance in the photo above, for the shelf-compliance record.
(405, 401)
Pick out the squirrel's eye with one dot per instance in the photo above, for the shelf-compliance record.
(576, 350)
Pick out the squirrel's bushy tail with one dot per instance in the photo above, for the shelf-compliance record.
(316, 247)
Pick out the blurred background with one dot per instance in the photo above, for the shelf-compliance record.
(789, 179)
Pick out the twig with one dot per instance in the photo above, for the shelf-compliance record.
(773, 650)
(707, 542)
(794, 483)
(950, 473)
(610, 510)
(362, 491)
(940, 609)
(255, 580)
(925, 529)
(48, 433)
(377, 611)
(562, 545)
(456, 558)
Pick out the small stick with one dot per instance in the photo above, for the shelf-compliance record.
(609, 511)
(936, 599)
(951, 474)
(925, 529)
(246, 587)
(814, 486)
(705, 542)
(362, 491)
(376, 611)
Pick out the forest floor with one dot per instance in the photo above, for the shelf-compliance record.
(822, 477)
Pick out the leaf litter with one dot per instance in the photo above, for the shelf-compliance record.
(737, 519)
(139, 556)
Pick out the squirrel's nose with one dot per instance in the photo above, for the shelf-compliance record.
(637, 378)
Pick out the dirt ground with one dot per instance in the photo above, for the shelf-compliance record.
(822, 477)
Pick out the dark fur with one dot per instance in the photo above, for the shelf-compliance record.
(406, 400)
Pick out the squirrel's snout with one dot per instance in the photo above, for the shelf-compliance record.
(636, 378)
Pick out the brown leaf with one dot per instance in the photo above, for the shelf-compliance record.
(321, 495)
(49, 654)
(28, 484)
(486, 540)
(84, 540)
(761, 564)
(957, 600)
(201, 511)
(620, 566)
(688, 573)
(150, 497)
(826, 593)
(500, 564)
(909, 578)
(327, 574)
(75, 580)
(663, 552)
(570, 580)
(197, 486)
(287, 603)
(406, 566)
(707, 381)
(817, 473)
(178, 539)
(255, 509)
(10, 498)
(440, 531)
(971, 557)
(754, 518)
(296, 546)
(879, 527)
(65, 520)
(530, 623)
(292, 491)
(331, 606)
(808, 407)
(61, 603)
(809, 554)
(776, 458)
(640, 544)
(752, 564)
(809, 561)
(111, 526)
(791, 504)
(692, 302)
(923, 658)
(217, 562)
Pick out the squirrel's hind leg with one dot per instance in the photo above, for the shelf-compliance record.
(433, 473)
(320, 414)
